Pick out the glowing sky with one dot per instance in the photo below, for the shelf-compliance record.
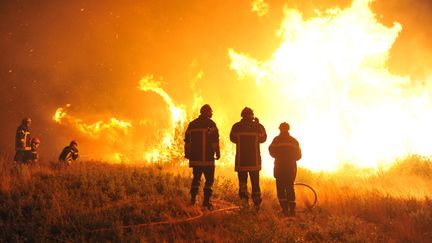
(93, 56)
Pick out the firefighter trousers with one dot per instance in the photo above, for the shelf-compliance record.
(208, 172)
(256, 190)
(285, 188)
(20, 156)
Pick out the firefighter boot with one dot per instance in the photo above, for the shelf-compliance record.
(292, 206)
(257, 201)
(284, 206)
(243, 193)
(244, 202)
(193, 193)
(193, 199)
(207, 195)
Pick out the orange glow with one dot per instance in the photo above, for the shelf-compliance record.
(117, 130)
(330, 81)
(178, 113)
(328, 77)
(260, 7)
(60, 114)
(113, 127)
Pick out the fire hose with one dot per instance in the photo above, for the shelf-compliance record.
(167, 222)
(202, 214)
(304, 186)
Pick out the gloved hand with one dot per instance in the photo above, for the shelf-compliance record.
(217, 155)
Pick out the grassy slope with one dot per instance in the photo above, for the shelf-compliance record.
(42, 204)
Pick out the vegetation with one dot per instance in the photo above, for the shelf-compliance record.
(95, 201)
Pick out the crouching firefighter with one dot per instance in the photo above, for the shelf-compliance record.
(69, 154)
(32, 156)
(247, 134)
(201, 147)
(286, 151)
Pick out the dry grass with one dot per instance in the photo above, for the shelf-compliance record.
(43, 204)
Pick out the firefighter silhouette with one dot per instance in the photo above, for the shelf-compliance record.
(247, 134)
(32, 155)
(22, 141)
(69, 154)
(201, 147)
(286, 151)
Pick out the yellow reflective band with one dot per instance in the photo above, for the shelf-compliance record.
(284, 145)
(247, 168)
(247, 134)
(257, 166)
(197, 130)
(201, 163)
(204, 142)
(26, 146)
(68, 157)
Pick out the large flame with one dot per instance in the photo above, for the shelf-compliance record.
(126, 148)
(178, 116)
(329, 79)
(178, 113)
(113, 128)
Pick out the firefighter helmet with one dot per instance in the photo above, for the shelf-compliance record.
(35, 141)
(247, 112)
(73, 143)
(205, 109)
(284, 126)
(26, 120)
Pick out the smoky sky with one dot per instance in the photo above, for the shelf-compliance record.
(92, 55)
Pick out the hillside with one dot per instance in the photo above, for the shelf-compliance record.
(95, 201)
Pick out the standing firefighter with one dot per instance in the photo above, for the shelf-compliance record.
(201, 147)
(22, 141)
(286, 151)
(247, 135)
(69, 154)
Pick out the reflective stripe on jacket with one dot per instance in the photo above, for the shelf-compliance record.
(201, 142)
(68, 154)
(22, 139)
(247, 135)
(286, 151)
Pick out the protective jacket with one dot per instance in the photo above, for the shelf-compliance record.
(201, 142)
(286, 151)
(31, 156)
(247, 135)
(22, 139)
(69, 154)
